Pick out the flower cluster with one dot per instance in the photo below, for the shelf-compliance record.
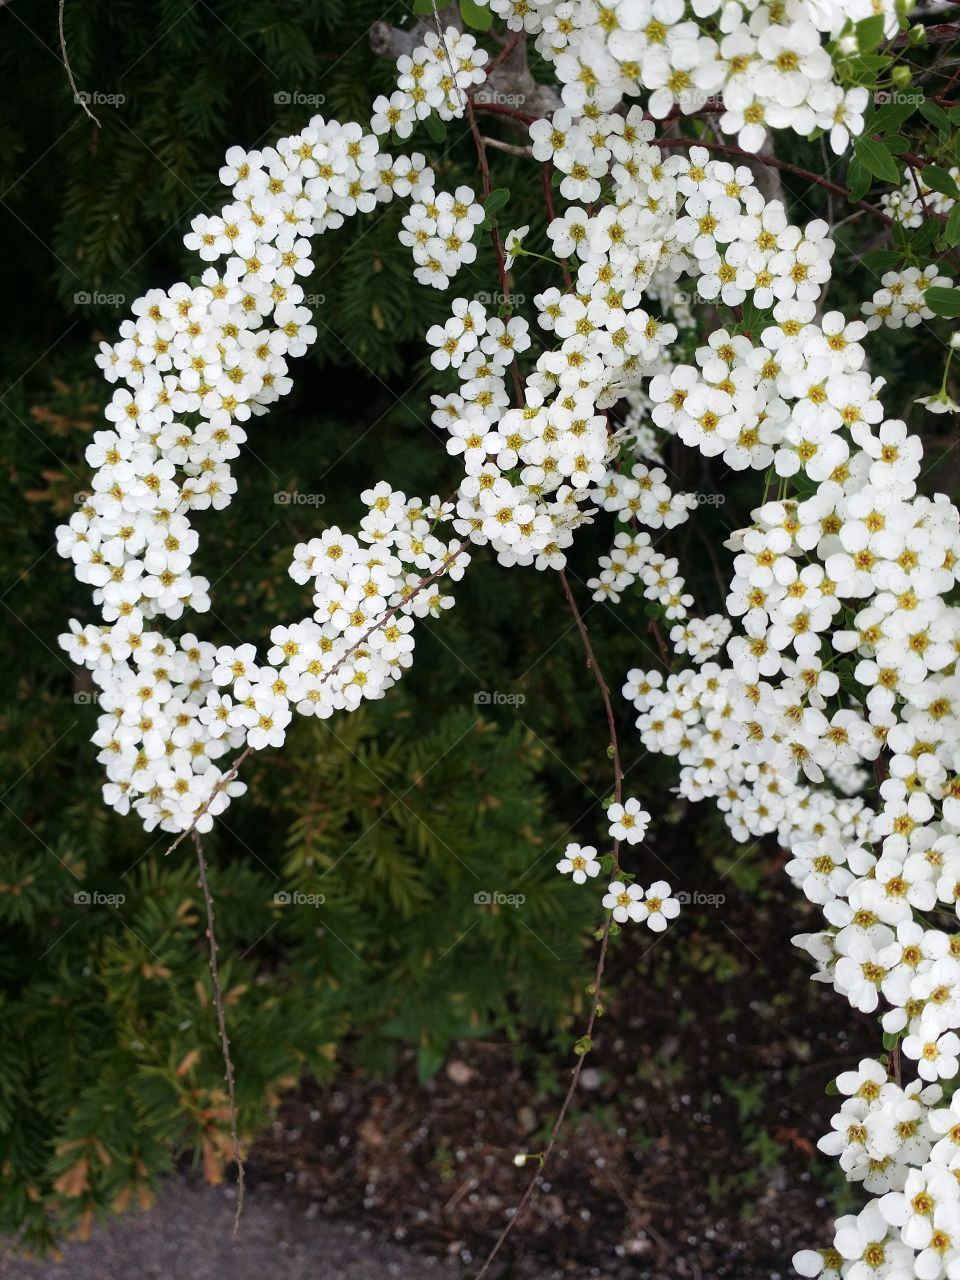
(653, 907)
(759, 65)
(899, 302)
(439, 232)
(196, 364)
(844, 656)
(431, 79)
(916, 201)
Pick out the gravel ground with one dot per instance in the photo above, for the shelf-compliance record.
(188, 1235)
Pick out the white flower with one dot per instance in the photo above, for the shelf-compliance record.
(513, 245)
(658, 908)
(941, 402)
(579, 862)
(628, 821)
(935, 1054)
(625, 901)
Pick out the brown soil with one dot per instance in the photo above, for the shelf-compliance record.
(691, 1149)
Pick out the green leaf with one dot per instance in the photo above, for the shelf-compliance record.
(752, 319)
(936, 115)
(876, 159)
(870, 32)
(867, 66)
(435, 127)
(943, 302)
(890, 1040)
(938, 179)
(881, 259)
(496, 200)
(429, 1061)
(953, 115)
(422, 7)
(952, 230)
(858, 179)
(892, 114)
(924, 237)
(474, 15)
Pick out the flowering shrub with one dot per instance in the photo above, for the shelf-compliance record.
(820, 707)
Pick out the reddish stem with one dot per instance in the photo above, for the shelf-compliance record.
(494, 233)
(601, 683)
(551, 214)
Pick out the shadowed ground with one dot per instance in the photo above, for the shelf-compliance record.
(188, 1235)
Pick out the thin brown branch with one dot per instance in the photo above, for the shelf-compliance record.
(657, 632)
(77, 95)
(228, 1071)
(510, 148)
(546, 179)
(601, 683)
(506, 49)
(442, 37)
(561, 1115)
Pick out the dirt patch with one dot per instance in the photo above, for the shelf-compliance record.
(691, 1152)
